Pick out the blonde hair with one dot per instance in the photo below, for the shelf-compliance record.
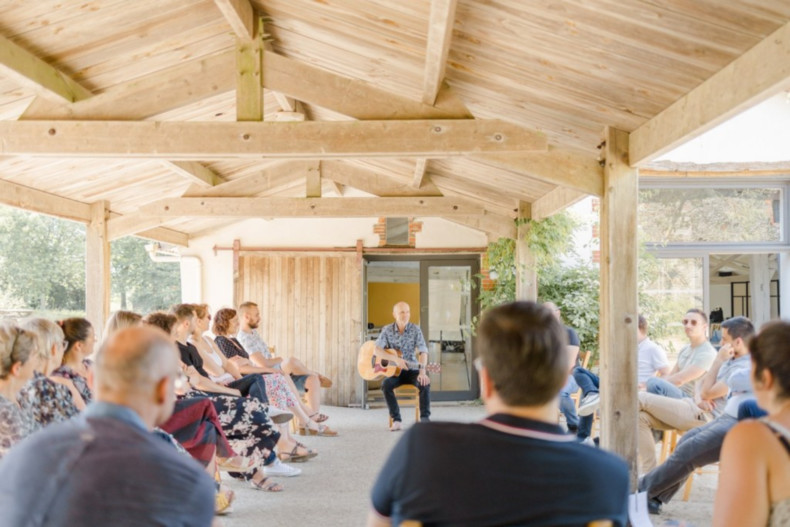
(16, 345)
(120, 320)
(47, 334)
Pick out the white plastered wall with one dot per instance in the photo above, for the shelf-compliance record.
(216, 270)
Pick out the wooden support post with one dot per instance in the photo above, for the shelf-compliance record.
(97, 268)
(526, 273)
(618, 318)
(249, 86)
(313, 181)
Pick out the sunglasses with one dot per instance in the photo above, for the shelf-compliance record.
(687, 321)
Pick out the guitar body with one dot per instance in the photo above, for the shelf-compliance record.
(371, 367)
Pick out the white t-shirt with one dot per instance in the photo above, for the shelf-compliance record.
(702, 356)
(651, 358)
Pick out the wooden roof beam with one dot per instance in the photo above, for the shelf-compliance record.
(311, 207)
(555, 201)
(495, 226)
(419, 172)
(193, 171)
(257, 140)
(149, 95)
(759, 73)
(272, 179)
(30, 71)
(440, 33)
(350, 97)
(559, 167)
(371, 181)
(240, 15)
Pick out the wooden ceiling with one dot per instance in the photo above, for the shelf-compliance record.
(471, 110)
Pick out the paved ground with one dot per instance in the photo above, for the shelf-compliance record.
(334, 487)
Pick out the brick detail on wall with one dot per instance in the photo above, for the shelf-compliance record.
(380, 228)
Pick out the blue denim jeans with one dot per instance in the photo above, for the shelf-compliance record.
(587, 380)
(698, 447)
(667, 389)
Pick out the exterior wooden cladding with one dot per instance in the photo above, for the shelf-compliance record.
(311, 308)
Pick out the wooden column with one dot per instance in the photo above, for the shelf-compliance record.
(618, 320)
(249, 80)
(97, 268)
(526, 274)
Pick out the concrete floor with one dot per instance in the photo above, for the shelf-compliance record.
(333, 489)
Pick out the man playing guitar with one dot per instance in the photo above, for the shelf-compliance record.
(406, 338)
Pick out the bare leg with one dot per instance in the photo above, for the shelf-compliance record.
(293, 366)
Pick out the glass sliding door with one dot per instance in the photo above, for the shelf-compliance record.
(447, 309)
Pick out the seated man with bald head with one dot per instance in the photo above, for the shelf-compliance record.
(105, 467)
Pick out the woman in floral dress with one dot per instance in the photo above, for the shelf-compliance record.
(17, 359)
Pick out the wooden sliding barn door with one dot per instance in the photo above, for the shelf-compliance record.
(311, 309)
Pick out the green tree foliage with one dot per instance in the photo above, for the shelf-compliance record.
(138, 282)
(42, 267)
(42, 263)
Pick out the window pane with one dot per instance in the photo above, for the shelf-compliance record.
(711, 215)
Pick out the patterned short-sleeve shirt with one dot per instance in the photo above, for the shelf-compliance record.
(46, 400)
(409, 342)
(15, 425)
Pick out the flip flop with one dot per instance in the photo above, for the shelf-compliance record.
(319, 417)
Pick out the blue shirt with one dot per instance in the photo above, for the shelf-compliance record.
(408, 342)
(103, 467)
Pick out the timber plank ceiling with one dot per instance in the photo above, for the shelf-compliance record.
(494, 105)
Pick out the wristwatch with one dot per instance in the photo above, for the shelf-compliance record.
(421, 366)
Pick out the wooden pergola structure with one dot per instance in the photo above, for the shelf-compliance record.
(168, 119)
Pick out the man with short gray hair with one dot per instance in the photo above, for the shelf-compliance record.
(105, 467)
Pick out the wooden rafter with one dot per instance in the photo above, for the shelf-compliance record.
(30, 71)
(272, 179)
(555, 201)
(347, 96)
(751, 78)
(419, 172)
(313, 181)
(148, 95)
(555, 166)
(308, 140)
(240, 16)
(372, 182)
(440, 32)
(195, 172)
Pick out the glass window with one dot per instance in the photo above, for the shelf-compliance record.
(718, 215)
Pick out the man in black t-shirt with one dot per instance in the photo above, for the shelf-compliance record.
(517, 466)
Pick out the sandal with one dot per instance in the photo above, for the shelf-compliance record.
(326, 382)
(235, 464)
(223, 500)
(266, 485)
(294, 455)
(322, 430)
(319, 417)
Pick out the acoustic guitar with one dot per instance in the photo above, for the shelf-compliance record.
(374, 366)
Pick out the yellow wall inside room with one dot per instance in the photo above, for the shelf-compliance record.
(383, 295)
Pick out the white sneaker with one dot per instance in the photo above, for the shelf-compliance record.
(589, 441)
(588, 404)
(278, 468)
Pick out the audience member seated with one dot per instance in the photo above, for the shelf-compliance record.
(579, 420)
(119, 320)
(651, 358)
(48, 399)
(17, 359)
(303, 378)
(517, 466)
(754, 475)
(79, 342)
(278, 384)
(105, 467)
(248, 414)
(727, 385)
(675, 402)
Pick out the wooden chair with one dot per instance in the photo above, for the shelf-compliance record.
(708, 469)
(668, 444)
(410, 395)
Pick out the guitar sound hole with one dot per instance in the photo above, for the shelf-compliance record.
(385, 363)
